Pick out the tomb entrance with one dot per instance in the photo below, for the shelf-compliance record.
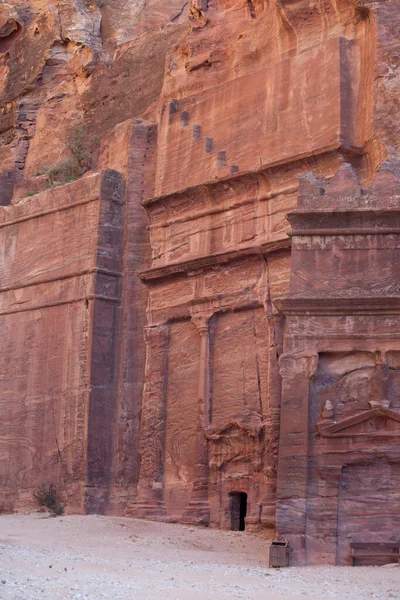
(238, 510)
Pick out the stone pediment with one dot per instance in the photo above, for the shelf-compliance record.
(232, 428)
(235, 441)
(377, 421)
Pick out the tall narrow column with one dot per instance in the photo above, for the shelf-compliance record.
(296, 371)
(198, 510)
(150, 502)
(272, 419)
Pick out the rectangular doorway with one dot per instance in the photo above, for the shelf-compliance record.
(238, 510)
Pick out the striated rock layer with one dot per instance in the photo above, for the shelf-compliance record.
(199, 293)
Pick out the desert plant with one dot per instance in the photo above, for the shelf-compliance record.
(81, 144)
(46, 495)
(69, 170)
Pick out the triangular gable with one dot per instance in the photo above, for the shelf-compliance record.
(348, 427)
(215, 433)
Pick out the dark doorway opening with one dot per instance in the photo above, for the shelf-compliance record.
(238, 510)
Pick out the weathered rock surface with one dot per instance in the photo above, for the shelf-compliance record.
(151, 367)
(339, 475)
(59, 316)
(63, 70)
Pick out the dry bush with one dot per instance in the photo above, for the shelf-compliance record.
(46, 495)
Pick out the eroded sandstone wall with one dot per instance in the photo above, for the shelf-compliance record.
(60, 296)
(75, 66)
(211, 111)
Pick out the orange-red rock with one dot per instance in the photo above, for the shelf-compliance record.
(169, 351)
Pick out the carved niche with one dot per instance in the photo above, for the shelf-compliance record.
(358, 396)
(236, 442)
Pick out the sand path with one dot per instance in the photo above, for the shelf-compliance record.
(91, 558)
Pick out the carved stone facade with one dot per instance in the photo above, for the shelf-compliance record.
(339, 454)
(217, 408)
(195, 325)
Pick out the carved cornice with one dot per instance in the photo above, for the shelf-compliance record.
(72, 275)
(254, 175)
(198, 189)
(209, 261)
(356, 305)
(335, 222)
(346, 231)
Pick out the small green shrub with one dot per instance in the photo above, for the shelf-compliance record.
(46, 495)
(69, 170)
(81, 144)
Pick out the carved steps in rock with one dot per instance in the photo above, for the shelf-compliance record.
(197, 135)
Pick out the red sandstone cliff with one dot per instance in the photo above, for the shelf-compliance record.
(149, 155)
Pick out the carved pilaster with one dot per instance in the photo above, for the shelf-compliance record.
(298, 366)
(296, 371)
(197, 510)
(152, 437)
(272, 418)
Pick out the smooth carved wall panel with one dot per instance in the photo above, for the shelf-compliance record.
(353, 267)
(49, 248)
(281, 127)
(181, 415)
(43, 401)
(69, 247)
(59, 297)
(245, 90)
(245, 275)
(239, 364)
(369, 505)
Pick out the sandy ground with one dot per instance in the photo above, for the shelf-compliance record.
(91, 558)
